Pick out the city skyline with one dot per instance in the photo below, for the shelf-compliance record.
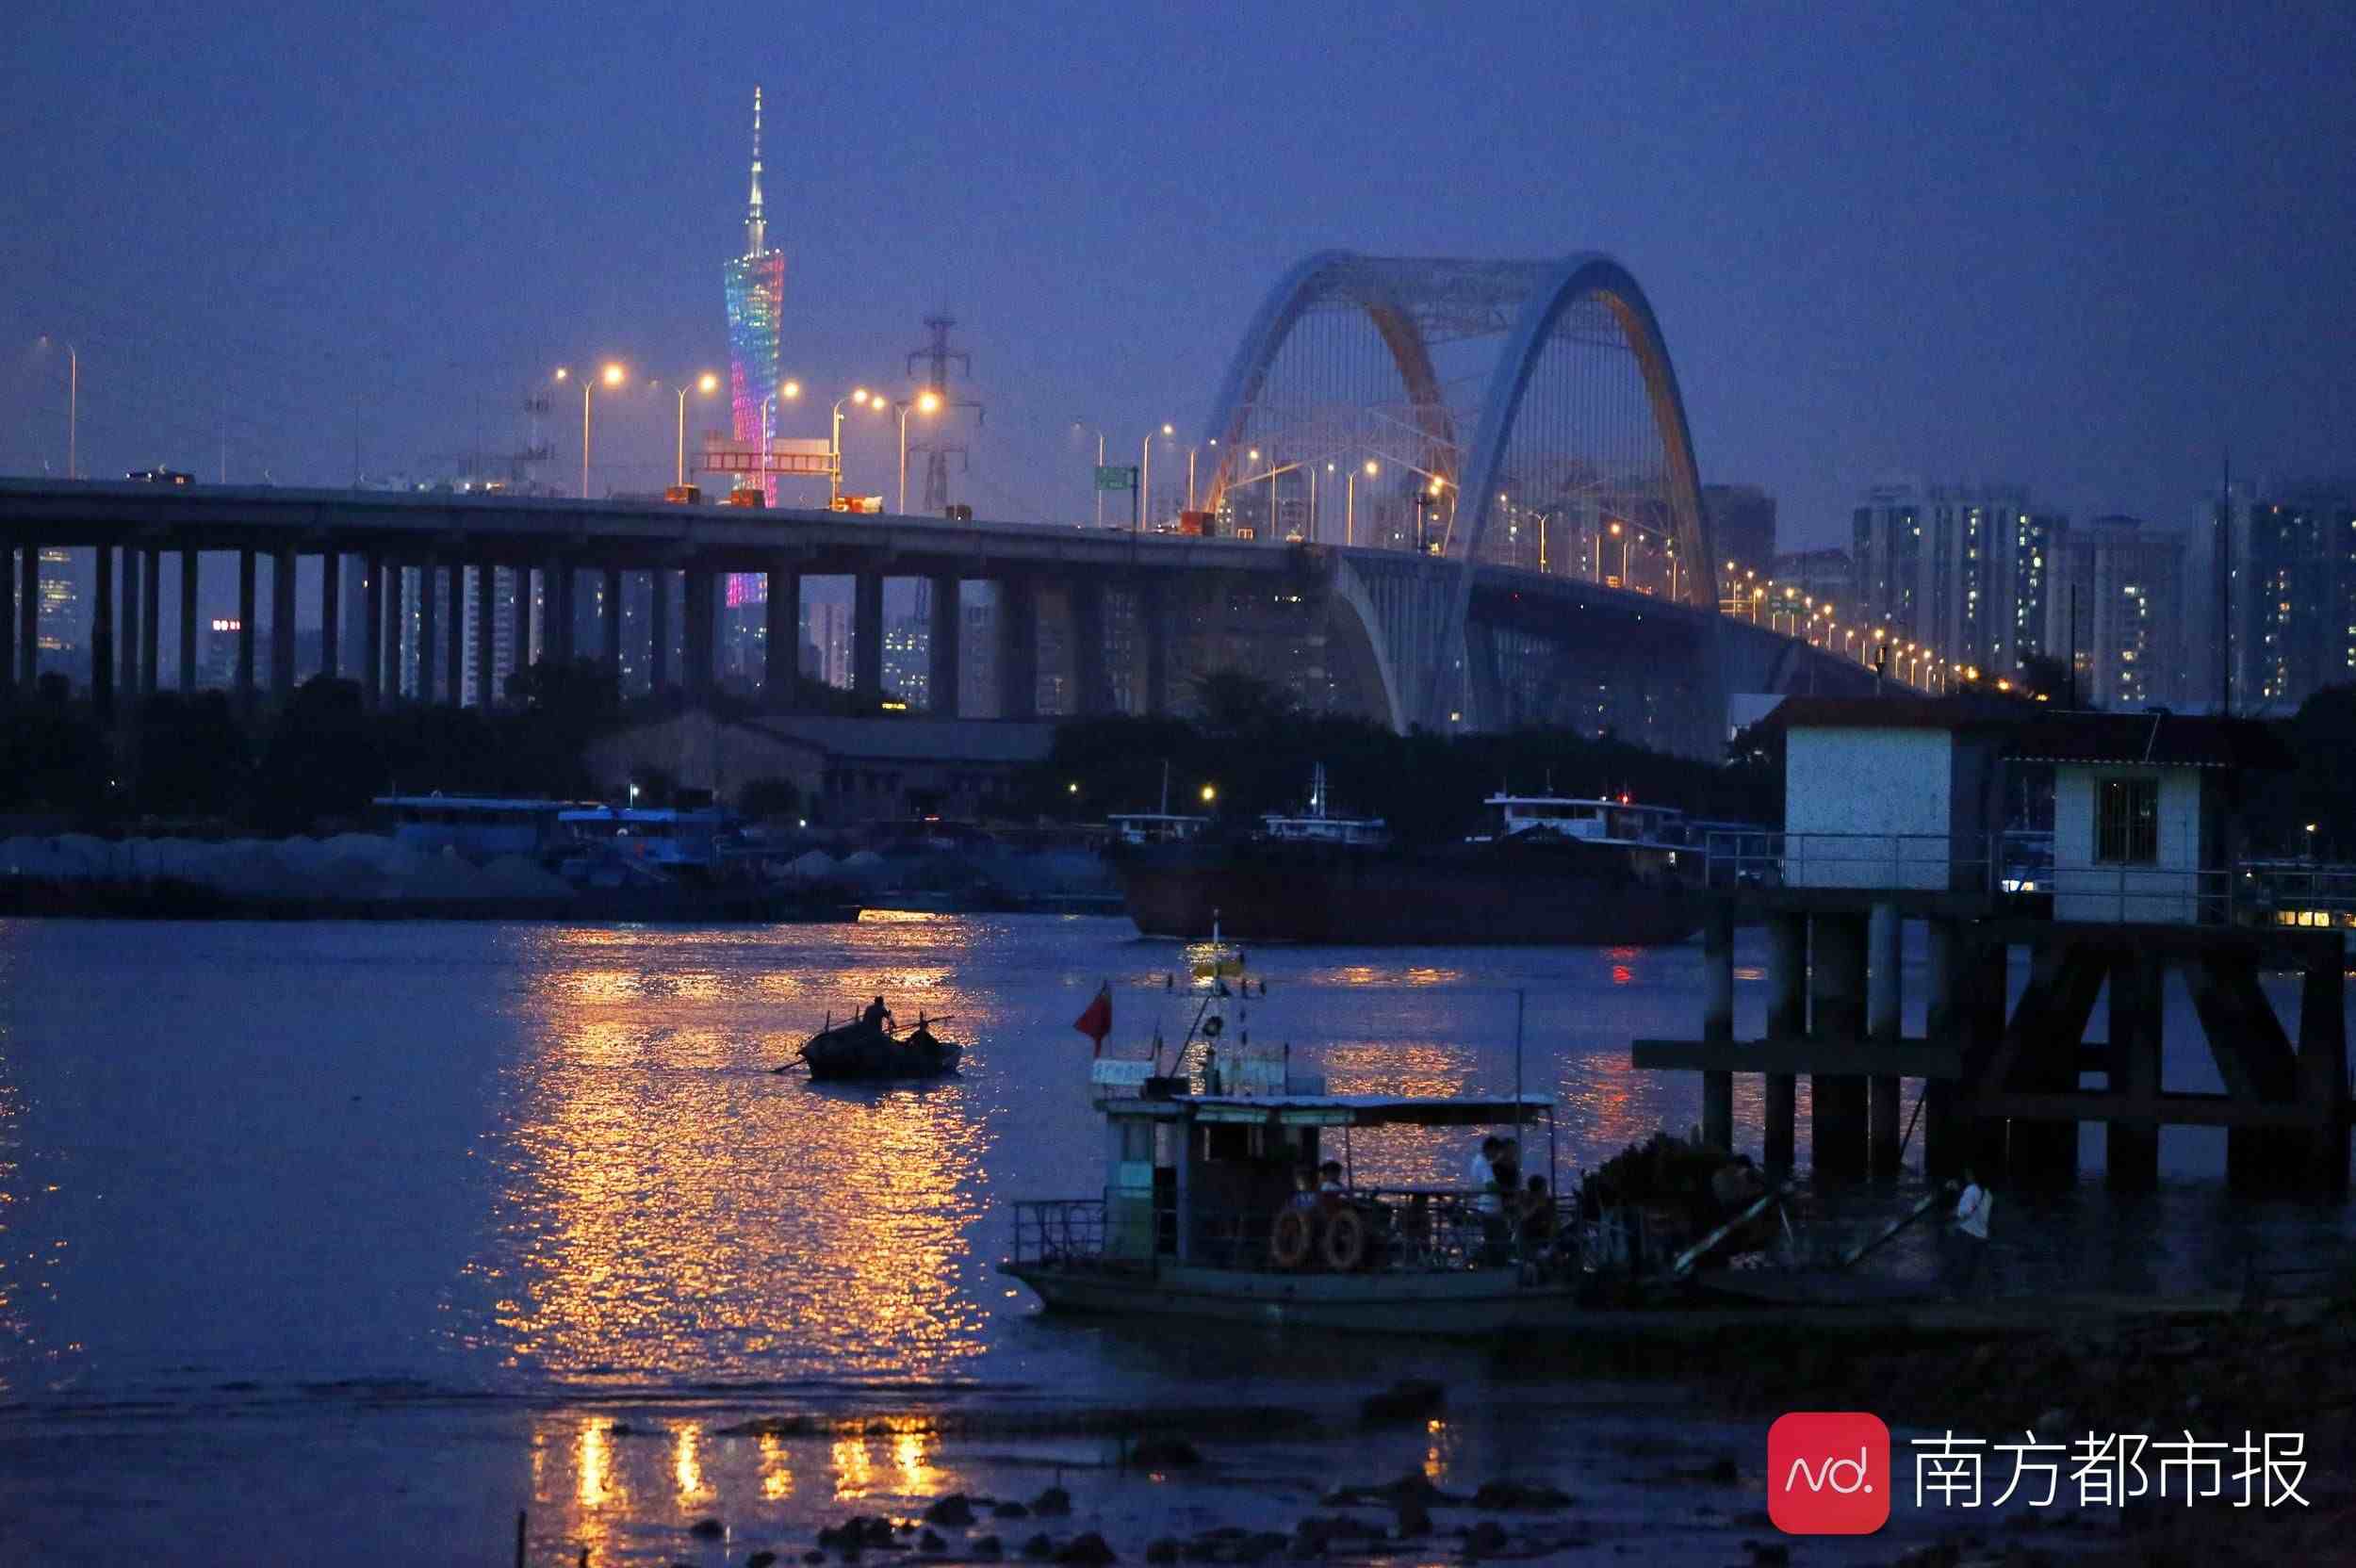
(2082, 341)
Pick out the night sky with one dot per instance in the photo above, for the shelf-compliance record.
(2079, 247)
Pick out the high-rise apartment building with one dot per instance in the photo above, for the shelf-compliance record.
(60, 622)
(1964, 569)
(2293, 595)
(2119, 611)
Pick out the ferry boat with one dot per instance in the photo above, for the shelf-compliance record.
(1548, 869)
(1204, 1211)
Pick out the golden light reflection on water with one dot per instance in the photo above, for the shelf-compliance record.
(671, 1206)
(1439, 1451)
(596, 1485)
(777, 1472)
(854, 1471)
(687, 1463)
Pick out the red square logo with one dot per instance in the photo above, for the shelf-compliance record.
(1828, 1473)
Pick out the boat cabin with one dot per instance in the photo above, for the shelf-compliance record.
(662, 836)
(1605, 819)
(1203, 1180)
(1154, 827)
(479, 827)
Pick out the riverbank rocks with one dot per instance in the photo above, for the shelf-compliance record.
(760, 1559)
(1412, 1487)
(989, 1548)
(1054, 1503)
(860, 1530)
(1506, 1496)
(707, 1530)
(1010, 1510)
(1409, 1399)
(1086, 1551)
(1038, 1548)
(930, 1541)
(1162, 1550)
(953, 1510)
(1486, 1539)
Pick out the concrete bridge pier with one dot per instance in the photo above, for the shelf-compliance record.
(867, 634)
(129, 626)
(396, 630)
(249, 612)
(152, 603)
(191, 572)
(1153, 629)
(520, 609)
(1837, 1013)
(454, 637)
(8, 622)
(610, 612)
(556, 635)
(102, 636)
(944, 674)
(782, 640)
(1942, 1020)
(331, 614)
(1018, 648)
(1787, 1020)
(281, 623)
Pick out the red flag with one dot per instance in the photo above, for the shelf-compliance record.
(1097, 1020)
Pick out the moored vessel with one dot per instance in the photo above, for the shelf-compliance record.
(1549, 869)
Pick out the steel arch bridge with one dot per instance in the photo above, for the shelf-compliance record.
(1494, 414)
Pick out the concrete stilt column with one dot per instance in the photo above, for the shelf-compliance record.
(519, 639)
(151, 613)
(1943, 1151)
(429, 628)
(1983, 1003)
(1018, 649)
(281, 623)
(781, 636)
(132, 601)
(1093, 693)
(1718, 1023)
(102, 635)
(486, 642)
(396, 630)
(2323, 1073)
(867, 634)
(1837, 1007)
(659, 658)
(945, 643)
(1787, 1020)
(372, 628)
(331, 614)
(2131, 1158)
(191, 572)
(28, 619)
(1885, 1010)
(249, 611)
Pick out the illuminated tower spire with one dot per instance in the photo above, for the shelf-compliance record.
(756, 230)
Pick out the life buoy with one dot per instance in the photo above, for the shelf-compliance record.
(1345, 1241)
(1213, 1027)
(1288, 1241)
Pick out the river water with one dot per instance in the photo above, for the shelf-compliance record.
(345, 1234)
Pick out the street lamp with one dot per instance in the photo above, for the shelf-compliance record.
(1349, 501)
(706, 383)
(926, 402)
(1145, 474)
(1210, 793)
(834, 449)
(612, 375)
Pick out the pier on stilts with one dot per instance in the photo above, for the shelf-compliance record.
(1892, 815)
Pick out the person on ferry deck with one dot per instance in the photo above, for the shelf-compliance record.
(877, 1015)
(1329, 1177)
(1481, 1177)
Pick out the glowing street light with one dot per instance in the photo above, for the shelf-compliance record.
(73, 409)
(1210, 793)
(612, 375)
(860, 397)
(926, 402)
(706, 383)
(1349, 501)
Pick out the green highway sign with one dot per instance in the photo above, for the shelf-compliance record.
(1115, 478)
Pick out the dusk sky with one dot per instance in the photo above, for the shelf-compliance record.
(2083, 248)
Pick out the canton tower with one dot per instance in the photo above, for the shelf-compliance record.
(756, 290)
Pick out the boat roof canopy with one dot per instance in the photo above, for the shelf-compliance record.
(1340, 1110)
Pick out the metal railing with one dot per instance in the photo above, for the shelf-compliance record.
(1937, 862)
(1405, 1230)
(1059, 1231)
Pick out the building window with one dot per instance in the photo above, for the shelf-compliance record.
(2127, 822)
